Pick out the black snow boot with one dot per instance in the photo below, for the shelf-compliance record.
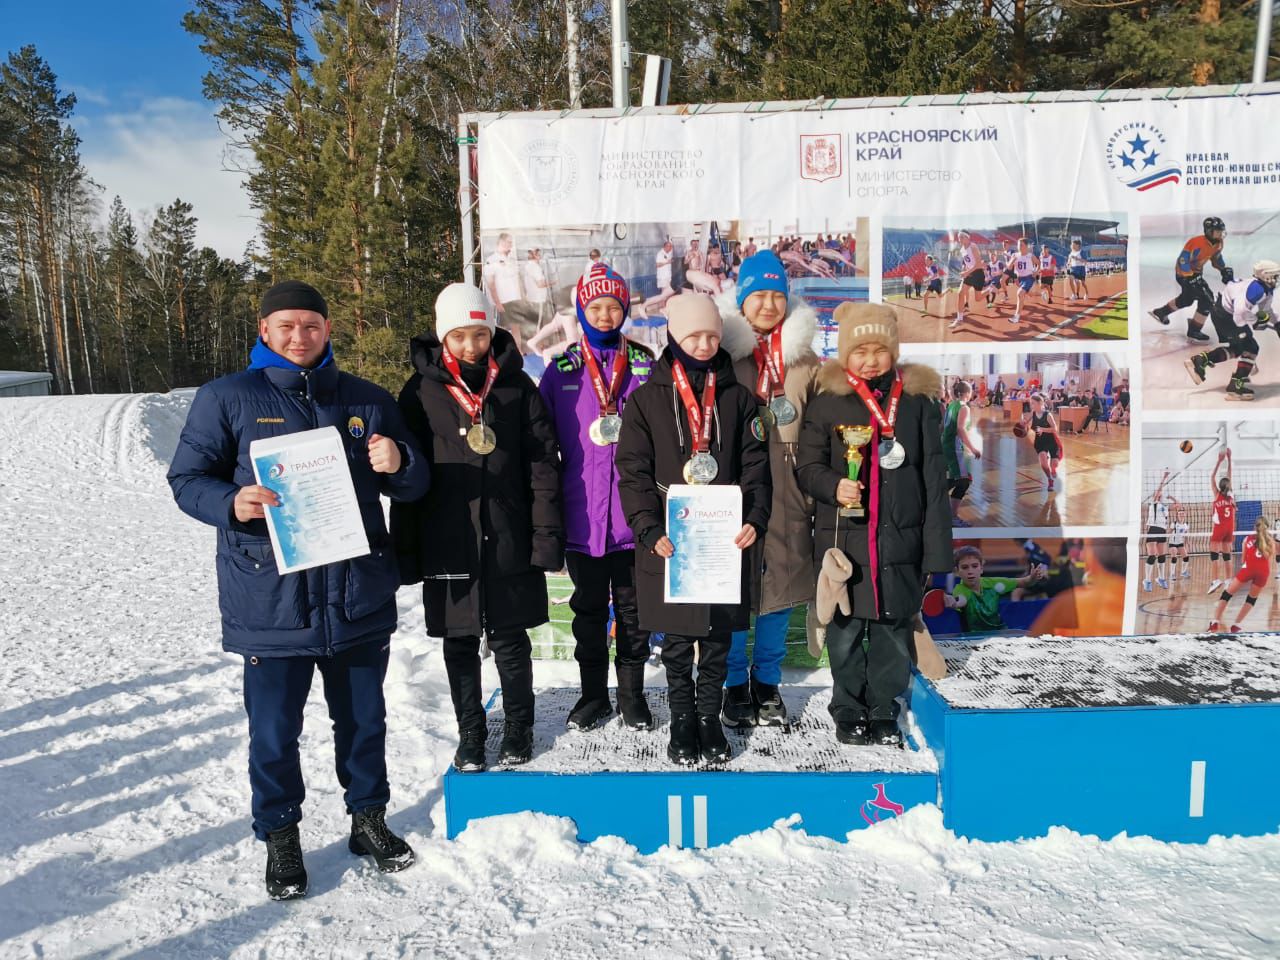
(469, 757)
(589, 713)
(631, 700)
(371, 837)
(852, 731)
(738, 710)
(712, 745)
(884, 732)
(286, 876)
(683, 748)
(517, 744)
(770, 710)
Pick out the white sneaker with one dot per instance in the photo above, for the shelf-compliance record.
(1016, 318)
(1214, 586)
(1146, 585)
(957, 321)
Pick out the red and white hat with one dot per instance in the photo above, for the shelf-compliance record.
(602, 281)
(462, 305)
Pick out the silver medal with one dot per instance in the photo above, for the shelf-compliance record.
(892, 454)
(784, 411)
(701, 468)
(605, 430)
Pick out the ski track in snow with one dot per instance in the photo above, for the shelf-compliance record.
(125, 829)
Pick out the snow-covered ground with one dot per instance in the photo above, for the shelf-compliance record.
(124, 832)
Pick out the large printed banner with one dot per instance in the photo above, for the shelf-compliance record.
(1051, 260)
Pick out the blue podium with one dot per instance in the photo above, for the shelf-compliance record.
(1170, 737)
(614, 781)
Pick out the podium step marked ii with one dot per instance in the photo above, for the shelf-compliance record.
(1168, 737)
(618, 782)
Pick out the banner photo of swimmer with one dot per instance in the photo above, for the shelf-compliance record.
(1035, 440)
(1029, 586)
(1210, 517)
(531, 275)
(1000, 279)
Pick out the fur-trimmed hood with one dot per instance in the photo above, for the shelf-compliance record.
(917, 378)
(798, 330)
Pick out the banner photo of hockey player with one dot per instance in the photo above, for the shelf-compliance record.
(1028, 586)
(1000, 279)
(1035, 439)
(1210, 519)
(1207, 324)
(532, 275)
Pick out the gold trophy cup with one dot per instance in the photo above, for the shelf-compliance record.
(855, 438)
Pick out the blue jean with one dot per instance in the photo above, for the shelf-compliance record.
(275, 692)
(766, 657)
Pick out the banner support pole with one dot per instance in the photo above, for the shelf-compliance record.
(621, 54)
(1262, 45)
(466, 200)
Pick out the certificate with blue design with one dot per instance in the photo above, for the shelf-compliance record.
(702, 522)
(318, 520)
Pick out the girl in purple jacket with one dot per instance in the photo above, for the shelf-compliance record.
(585, 389)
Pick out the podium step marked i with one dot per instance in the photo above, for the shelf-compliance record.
(1168, 737)
(618, 782)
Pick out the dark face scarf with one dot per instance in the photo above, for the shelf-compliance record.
(689, 363)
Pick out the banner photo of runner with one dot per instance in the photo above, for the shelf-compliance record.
(1093, 282)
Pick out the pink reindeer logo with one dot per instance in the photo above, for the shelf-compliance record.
(880, 807)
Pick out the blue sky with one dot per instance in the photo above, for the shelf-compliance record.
(147, 133)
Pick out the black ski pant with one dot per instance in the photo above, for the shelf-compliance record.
(595, 581)
(512, 655)
(683, 694)
(870, 666)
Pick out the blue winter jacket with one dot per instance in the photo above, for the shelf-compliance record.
(325, 609)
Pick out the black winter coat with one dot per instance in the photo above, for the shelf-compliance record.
(907, 512)
(483, 537)
(652, 451)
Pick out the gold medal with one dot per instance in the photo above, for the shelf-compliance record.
(766, 416)
(482, 439)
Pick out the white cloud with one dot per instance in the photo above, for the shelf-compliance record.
(171, 148)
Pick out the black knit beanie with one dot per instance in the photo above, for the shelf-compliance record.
(292, 295)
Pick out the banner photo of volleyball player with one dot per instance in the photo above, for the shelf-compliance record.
(532, 275)
(1002, 278)
(1210, 516)
(1028, 586)
(1208, 327)
(1035, 440)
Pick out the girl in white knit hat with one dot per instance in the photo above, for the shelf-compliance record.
(692, 422)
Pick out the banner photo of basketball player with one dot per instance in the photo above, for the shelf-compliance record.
(531, 274)
(1208, 328)
(1003, 278)
(1028, 586)
(1035, 440)
(1210, 521)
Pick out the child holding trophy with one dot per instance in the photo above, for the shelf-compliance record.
(691, 423)
(484, 536)
(770, 342)
(871, 456)
(585, 389)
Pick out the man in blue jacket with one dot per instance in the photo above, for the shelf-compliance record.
(337, 618)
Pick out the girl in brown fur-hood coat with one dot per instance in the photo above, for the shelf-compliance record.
(905, 531)
(762, 323)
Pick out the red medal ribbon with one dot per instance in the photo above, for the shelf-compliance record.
(769, 381)
(885, 420)
(608, 397)
(469, 402)
(699, 419)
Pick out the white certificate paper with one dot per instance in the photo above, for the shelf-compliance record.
(702, 521)
(318, 520)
